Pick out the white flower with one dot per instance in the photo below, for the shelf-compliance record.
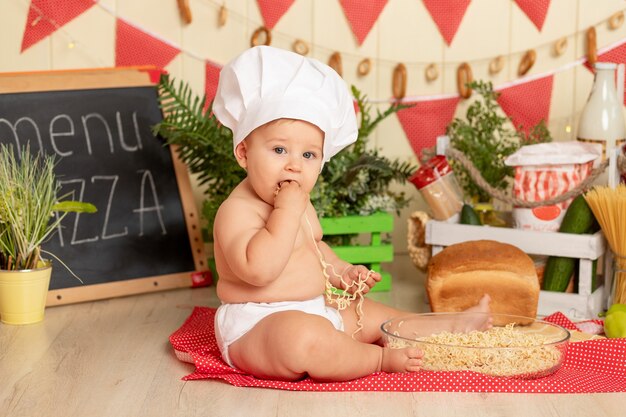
(363, 177)
(378, 202)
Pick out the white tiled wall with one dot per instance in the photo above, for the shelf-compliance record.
(404, 33)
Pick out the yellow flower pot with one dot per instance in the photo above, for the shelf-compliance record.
(23, 295)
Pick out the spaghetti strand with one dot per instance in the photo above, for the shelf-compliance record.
(342, 299)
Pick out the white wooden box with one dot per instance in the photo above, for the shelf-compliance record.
(582, 305)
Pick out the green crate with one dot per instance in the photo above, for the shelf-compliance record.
(369, 255)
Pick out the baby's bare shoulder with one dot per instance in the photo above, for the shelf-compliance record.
(242, 202)
(240, 212)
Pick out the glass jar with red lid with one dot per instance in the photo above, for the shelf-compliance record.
(436, 182)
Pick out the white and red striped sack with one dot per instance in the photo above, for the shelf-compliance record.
(544, 171)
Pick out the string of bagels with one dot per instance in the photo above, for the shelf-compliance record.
(401, 71)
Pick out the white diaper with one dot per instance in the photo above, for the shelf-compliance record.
(234, 320)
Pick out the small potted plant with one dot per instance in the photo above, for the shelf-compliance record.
(30, 212)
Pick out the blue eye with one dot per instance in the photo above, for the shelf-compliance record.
(309, 155)
(279, 150)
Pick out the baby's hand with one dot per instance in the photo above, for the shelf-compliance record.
(355, 273)
(291, 196)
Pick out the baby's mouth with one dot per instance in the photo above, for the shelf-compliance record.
(280, 184)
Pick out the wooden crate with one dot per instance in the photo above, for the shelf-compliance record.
(581, 305)
(586, 248)
(370, 255)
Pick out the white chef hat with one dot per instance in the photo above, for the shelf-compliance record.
(265, 84)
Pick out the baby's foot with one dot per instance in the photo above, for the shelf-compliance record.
(477, 321)
(401, 360)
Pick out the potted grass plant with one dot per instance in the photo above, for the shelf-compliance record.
(30, 212)
(353, 193)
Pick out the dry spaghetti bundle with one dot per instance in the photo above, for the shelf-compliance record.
(609, 208)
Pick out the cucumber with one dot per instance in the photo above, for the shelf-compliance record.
(558, 272)
(469, 216)
(578, 219)
(594, 275)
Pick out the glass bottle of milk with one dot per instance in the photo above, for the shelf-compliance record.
(602, 119)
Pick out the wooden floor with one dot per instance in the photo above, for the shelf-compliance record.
(112, 358)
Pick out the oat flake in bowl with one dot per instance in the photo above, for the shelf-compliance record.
(449, 343)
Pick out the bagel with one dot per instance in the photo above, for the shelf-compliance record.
(364, 67)
(496, 65)
(560, 46)
(616, 20)
(527, 62)
(335, 63)
(261, 31)
(222, 16)
(463, 78)
(592, 46)
(185, 11)
(300, 47)
(432, 72)
(399, 81)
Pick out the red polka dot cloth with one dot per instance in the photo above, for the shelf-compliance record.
(591, 366)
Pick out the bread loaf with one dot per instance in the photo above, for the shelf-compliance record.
(462, 273)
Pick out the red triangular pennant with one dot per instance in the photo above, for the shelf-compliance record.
(211, 78)
(46, 16)
(616, 55)
(536, 10)
(527, 103)
(426, 120)
(362, 15)
(135, 47)
(273, 10)
(447, 15)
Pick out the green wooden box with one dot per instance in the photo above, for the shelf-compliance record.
(369, 255)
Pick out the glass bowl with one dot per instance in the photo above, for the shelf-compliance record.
(516, 346)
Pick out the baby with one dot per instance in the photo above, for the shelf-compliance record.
(289, 114)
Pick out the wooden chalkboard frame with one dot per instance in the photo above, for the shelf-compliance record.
(42, 81)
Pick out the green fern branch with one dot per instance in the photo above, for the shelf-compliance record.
(204, 145)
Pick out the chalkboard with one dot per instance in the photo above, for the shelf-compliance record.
(145, 236)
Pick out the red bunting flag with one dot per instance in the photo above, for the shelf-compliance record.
(211, 78)
(447, 15)
(616, 55)
(46, 16)
(273, 10)
(536, 10)
(426, 120)
(135, 47)
(362, 15)
(527, 103)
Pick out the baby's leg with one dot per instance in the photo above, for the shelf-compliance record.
(375, 314)
(291, 344)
